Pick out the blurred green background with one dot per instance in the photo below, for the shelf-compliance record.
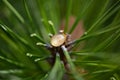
(22, 59)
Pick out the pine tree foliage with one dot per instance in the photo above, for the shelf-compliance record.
(25, 26)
